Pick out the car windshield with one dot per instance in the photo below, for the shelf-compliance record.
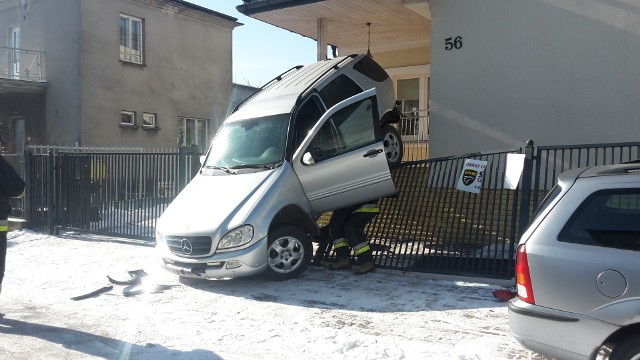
(252, 143)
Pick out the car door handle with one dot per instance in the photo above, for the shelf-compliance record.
(372, 153)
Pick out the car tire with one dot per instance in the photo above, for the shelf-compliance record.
(628, 348)
(289, 253)
(392, 141)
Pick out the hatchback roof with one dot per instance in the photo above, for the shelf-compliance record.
(600, 170)
(618, 169)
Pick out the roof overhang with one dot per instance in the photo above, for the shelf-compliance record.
(395, 24)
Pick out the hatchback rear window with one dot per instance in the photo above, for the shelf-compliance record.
(548, 199)
(608, 218)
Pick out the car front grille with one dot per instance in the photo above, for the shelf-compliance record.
(189, 245)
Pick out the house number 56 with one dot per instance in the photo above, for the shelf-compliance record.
(451, 43)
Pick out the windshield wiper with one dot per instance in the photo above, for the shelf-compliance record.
(257, 166)
(220, 168)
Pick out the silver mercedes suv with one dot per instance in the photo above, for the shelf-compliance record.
(314, 139)
(578, 268)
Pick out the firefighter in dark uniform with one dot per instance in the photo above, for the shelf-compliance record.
(4, 227)
(347, 231)
(11, 185)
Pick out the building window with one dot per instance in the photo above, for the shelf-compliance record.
(149, 121)
(131, 39)
(193, 132)
(127, 118)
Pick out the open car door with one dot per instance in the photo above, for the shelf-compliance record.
(341, 162)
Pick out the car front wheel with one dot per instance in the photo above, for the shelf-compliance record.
(289, 253)
(627, 349)
(392, 144)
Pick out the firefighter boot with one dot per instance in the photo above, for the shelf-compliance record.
(340, 264)
(366, 262)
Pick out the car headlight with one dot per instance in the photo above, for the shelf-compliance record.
(236, 237)
(159, 237)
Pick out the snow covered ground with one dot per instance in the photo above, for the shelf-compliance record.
(321, 315)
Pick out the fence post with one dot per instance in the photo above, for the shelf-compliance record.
(525, 191)
(195, 161)
(50, 193)
(182, 167)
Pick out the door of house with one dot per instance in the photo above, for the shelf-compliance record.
(412, 90)
(19, 135)
(14, 43)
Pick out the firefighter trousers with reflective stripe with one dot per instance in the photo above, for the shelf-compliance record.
(345, 224)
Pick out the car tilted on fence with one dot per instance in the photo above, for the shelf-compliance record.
(309, 141)
(578, 268)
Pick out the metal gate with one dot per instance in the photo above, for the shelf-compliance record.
(429, 226)
(118, 194)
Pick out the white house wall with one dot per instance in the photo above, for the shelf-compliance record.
(555, 71)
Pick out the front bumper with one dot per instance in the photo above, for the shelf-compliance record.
(244, 262)
(557, 334)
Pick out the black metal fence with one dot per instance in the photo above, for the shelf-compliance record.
(119, 194)
(432, 227)
(429, 226)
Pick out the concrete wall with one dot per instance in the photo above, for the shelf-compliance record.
(187, 72)
(555, 71)
(58, 122)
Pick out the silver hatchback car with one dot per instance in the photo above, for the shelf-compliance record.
(578, 268)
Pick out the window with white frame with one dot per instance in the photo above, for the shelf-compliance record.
(127, 118)
(193, 132)
(131, 39)
(149, 120)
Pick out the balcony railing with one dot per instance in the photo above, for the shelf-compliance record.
(21, 64)
(414, 129)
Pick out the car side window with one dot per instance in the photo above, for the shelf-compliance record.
(340, 88)
(608, 218)
(348, 129)
(307, 115)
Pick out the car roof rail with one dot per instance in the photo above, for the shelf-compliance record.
(636, 161)
(336, 66)
(263, 87)
(623, 168)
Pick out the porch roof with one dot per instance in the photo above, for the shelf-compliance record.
(395, 24)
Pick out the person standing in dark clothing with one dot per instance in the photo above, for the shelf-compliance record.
(4, 227)
(347, 231)
(11, 185)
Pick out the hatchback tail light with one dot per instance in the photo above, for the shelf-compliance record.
(523, 277)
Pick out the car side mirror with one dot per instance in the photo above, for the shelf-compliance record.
(307, 159)
(202, 159)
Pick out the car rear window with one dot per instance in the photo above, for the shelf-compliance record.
(548, 199)
(608, 218)
(371, 69)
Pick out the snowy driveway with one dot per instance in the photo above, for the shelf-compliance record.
(322, 315)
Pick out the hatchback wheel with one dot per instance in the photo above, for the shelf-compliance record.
(289, 253)
(627, 349)
(392, 144)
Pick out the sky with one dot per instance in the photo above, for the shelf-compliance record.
(261, 51)
(323, 314)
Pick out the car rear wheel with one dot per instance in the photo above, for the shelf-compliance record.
(289, 253)
(627, 349)
(392, 144)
